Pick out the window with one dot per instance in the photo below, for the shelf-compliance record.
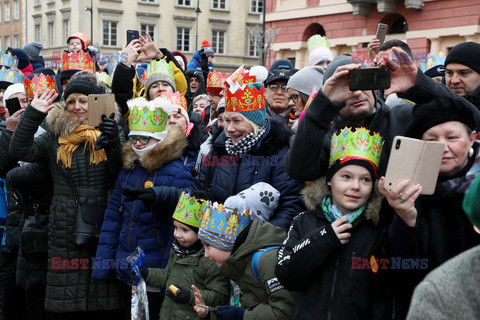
(254, 45)
(185, 3)
(220, 4)
(256, 6)
(183, 39)
(109, 33)
(66, 29)
(218, 41)
(148, 28)
(7, 42)
(37, 33)
(16, 41)
(16, 9)
(51, 34)
(7, 12)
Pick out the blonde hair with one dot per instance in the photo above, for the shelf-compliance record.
(256, 127)
(74, 96)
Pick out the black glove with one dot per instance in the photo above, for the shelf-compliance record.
(230, 313)
(146, 195)
(109, 130)
(182, 298)
(144, 273)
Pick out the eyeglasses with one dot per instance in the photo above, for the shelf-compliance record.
(142, 139)
(275, 87)
(293, 98)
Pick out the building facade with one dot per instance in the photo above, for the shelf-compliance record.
(174, 24)
(12, 23)
(427, 26)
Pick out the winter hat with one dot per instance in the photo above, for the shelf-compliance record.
(83, 86)
(221, 106)
(306, 79)
(318, 55)
(278, 74)
(437, 71)
(22, 57)
(13, 89)
(83, 38)
(261, 200)
(33, 49)
(207, 48)
(181, 58)
(337, 62)
(281, 64)
(437, 111)
(360, 147)
(260, 72)
(220, 226)
(159, 71)
(190, 210)
(465, 53)
(148, 118)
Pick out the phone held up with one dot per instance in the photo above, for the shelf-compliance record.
(13, 105)
(369, 79)
(132, 35)
(381, 32)
(99, 104)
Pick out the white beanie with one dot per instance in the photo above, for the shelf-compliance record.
(318, 55)
(13, 89)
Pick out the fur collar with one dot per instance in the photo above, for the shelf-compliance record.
(314, 193)
(169, 149)
(61, 122)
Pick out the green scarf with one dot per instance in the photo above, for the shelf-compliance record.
(332, 213)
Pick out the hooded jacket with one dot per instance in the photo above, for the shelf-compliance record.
(128, 224)
(267, 298)
(313, 261)
(201, 86)
(196, 62)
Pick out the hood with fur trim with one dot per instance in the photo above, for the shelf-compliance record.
(314, 193)
(167, 150)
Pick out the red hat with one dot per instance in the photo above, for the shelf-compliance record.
(83, 38)
(205, 43)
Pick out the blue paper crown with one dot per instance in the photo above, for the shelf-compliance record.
(224, 221)
(116, 58)
(8, 61)
(11, 75)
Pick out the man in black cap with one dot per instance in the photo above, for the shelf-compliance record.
(276, 92)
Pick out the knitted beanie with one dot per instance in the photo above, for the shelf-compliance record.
(306, 79)
(159, 77)
(337, 62)
(318, 55)
(207, 48)
(81, 85)
(181, 58)
(33, 49)
(281, 64)
(465, 53)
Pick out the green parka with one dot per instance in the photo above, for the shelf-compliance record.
(264, 299)
(69, 285)
(192, 269)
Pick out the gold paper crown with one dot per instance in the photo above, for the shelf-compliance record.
(245, 95)
(160, 66)
(77, 61)
(359, 144)
(41, 83)
(317, 41)
(216, 79)
(176, 98)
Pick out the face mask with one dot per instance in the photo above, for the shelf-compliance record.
(141, 152)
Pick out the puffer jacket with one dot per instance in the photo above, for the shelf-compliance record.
(196, 62)
(267, 298)
(130, 224)
(70, 287)
(185, 271)
(314, 262)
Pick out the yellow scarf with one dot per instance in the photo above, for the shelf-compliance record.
(68, 145)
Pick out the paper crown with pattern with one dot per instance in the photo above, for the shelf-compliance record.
(358, 144)
(216, 79)
(39, 82)
(103, 77)
(176, 99)
(432, 61)
(112, 63)
(223, 221)
(11, 75)
(9, 61)
(77, 61)
(147, 116)
(243, 94)
(190, 210)
(317, 41)
(160, 66)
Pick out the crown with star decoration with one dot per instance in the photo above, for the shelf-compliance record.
(190, 210)
(77, 61)
(39, 82)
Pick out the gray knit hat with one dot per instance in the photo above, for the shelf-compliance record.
(159, 77)
(337, 62)
(306, 79)
(33, 49)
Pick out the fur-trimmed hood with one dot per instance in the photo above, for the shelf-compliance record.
(167, 150)
(314, 193)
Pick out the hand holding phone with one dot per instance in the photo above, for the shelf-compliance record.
(381, 32)
(98, 105)
(132, 35)
(369, 79)
(13, 105)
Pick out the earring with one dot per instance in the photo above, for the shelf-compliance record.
(470, 152)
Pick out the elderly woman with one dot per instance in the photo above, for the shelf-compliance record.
(81, 175)
(435, 227)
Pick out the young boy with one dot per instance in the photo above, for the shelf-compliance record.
(323, 254)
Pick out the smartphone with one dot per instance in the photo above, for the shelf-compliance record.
(13, 105)
(132, 35)
(369, 79)
(416, 160)
(99, 104)
(381, 32)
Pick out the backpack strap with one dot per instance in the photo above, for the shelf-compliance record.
(256, 257)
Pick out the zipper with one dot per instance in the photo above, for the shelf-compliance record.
(332, 290)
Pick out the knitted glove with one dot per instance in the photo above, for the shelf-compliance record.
(230, 313)
(109, 130)
(182, 298)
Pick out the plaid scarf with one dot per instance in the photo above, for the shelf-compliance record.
(246, 143)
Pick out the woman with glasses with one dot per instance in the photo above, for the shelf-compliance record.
(152, 157)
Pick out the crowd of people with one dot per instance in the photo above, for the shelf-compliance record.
(259, 193)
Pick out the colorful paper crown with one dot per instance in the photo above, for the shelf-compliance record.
(357, 144)
(116, 58)
(216, 79)
(39, 82)
(317, 41)
(223, 221)
(77, 61)
(82, 36)
(432, 61)
(146, 115)
(11, 75)
(175, 99)
(190, 210)
(243, 94)
(7, 60)
(103, 77)
(160, 66)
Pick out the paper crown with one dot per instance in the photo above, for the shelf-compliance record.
(82, 36)
(432, 61)
(190, 210)
(103, 77)
(160, 66)
(175, 99)
(358, 144)
(77, 61)
(11, 75)
(317, 41)
(242, 94)
(216, 79)
(7, 60)
(39, 82)
(112, 63)
(224, 221)
(146, 115)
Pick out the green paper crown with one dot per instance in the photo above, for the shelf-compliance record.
(190, 210)
(317, 41)
(160, 66)
(358, 144)
(146, 116)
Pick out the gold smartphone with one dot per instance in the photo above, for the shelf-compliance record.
(99, 104)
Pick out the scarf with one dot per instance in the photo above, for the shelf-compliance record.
(81, 134)
(185, 251)
(246, 143)
(332, 213)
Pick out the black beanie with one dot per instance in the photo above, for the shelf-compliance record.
(466, 53)
(83, 86)
(67, 74)
(441, 110)
(340, 163)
